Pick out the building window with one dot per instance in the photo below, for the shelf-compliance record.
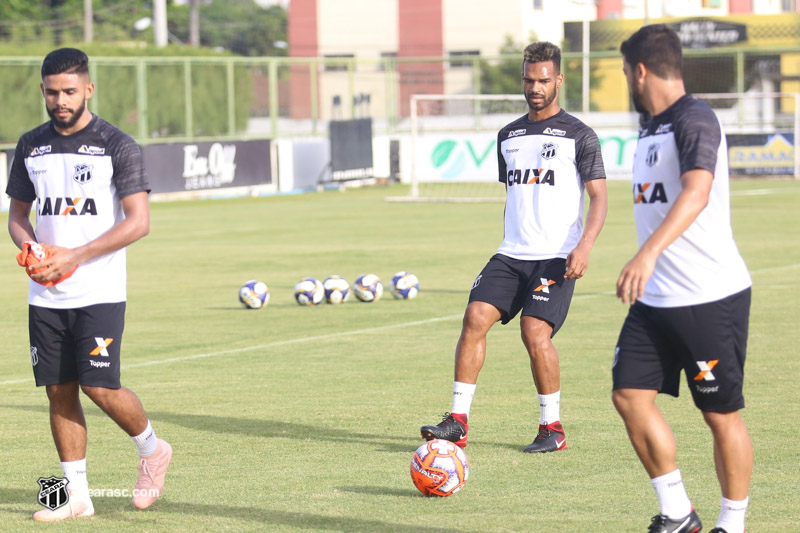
(454, 55)
(386, 56)
(787, 6)
(336, 66)
(538, 5)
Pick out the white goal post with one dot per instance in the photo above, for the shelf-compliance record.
(452, 144)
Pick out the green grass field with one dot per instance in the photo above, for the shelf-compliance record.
(292, 418)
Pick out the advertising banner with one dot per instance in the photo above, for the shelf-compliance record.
(761, 154)
(473, 157)
(207, 165)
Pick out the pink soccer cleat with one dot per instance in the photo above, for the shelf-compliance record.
(152, 471)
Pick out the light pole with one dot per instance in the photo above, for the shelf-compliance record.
(88, 21)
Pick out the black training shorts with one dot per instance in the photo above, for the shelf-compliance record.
(537, 288)
(80, 345)
(707, 341)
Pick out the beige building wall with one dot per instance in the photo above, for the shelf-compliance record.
(364, 29)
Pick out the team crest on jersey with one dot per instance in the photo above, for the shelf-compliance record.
(91, 150)
(652, 155)
(517, 132)
(549, 150)
(83, 173)
(39, 150)
(554, 131)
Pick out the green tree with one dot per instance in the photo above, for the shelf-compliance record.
(241, 26)
(503, 76)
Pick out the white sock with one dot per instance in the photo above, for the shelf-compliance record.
(731, 515)
(146, 442)
(550, 408)
(672, 495)
(75, 472)
(462, 397)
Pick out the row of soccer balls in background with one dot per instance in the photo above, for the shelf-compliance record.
(335, 290)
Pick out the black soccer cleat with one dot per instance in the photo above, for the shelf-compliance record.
(453, 427)
(717, 530)
(549, 439)
(688, 524)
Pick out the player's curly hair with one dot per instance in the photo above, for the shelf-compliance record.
(65, 60)
(540, 52)
(658, 48)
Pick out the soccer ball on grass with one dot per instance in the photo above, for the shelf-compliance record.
(254, 294)
(439, 468)
(405, 286)
(368, 288)
(337, 290)
(309, 291)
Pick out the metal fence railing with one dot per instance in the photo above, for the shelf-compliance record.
(178, 99)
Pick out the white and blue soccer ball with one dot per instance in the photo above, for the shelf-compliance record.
(254, 294)
(405, 286)
(309, 291)
(337, 290)
(368, 288)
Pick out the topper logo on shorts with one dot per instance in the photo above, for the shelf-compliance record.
(657, 194)
(102, 344)
(71, 206)
(705, 370)
(544, 286)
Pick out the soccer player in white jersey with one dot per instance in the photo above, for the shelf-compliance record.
(86, 180)
(687, 286)
(547, 159)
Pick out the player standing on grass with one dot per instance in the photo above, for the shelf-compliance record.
(688, 287)
(87, 181)
(546, 160)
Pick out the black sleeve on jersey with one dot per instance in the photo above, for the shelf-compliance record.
(20, 187)
(589, 157)
(129, 175)
(501, 161)
(697, 135)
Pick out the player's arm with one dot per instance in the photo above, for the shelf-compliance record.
(19, 222)
(135, 226)
(578, 258)
(688, 205)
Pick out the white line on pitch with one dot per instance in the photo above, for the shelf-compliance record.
(338, 334)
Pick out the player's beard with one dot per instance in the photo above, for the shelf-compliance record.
(67, 124)
(637, 101)
(546, 100)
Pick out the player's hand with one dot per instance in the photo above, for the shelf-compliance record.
(633, 278)
(577, 263)
(45, 264)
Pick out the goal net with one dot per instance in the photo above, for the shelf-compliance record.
(453, 140)
(453, 146)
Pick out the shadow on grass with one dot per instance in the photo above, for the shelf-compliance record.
(383, 491)
(121, 509)
(268, 518)
(283, 429)
(260, 428)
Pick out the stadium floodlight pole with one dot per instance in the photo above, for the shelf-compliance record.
(88, 21)
(160, 22)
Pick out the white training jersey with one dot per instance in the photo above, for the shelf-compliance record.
(703, 264)
(75, 183)
(544, 165)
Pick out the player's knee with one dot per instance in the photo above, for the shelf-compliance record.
(478, 319)
(720, 422)
(62, 391)
(621, 400)
(98, 395)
